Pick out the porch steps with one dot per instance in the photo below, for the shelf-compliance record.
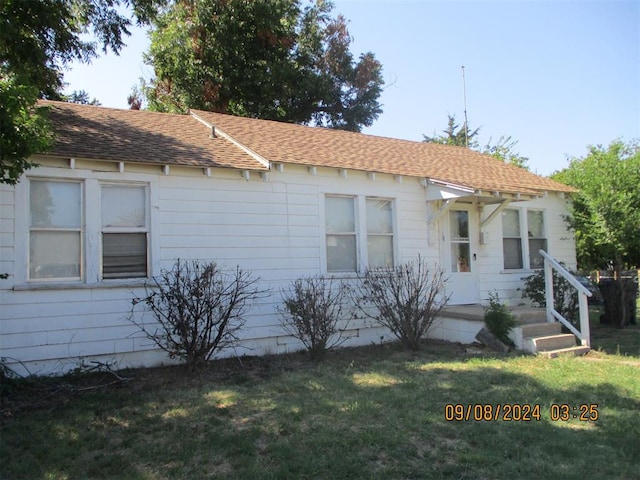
(535, 335)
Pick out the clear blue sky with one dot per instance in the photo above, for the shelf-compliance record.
(555, 76)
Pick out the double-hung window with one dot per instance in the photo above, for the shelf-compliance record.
(55, 230)
(523, 235)
(124, 231)
(86, 230)
(359, 233)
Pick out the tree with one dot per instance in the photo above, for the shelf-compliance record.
(263, 59)
(504, 150)
(38, 38)
(605, 213)
(82, 97)
(24, 129)
(455, 135)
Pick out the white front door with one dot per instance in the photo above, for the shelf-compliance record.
(460, 256)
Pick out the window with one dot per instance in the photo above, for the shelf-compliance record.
(359, 232)
(537, 240)
(124, 231)
(517, 253)
(460, 242)
(341, 234)
(379, 233)
(55, 230)
(511, 240)
(84, 230)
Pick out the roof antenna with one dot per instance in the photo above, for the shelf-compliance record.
(466, 122)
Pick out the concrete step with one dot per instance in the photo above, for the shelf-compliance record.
(553, 342)
(526, 315)
(564, 351)
(543, 329)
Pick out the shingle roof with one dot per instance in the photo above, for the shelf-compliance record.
(84, 131)
(289, 143)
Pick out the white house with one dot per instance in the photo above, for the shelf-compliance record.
(124, 193)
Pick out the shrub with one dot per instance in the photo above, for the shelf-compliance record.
(499, 319)
(405, 299)
(314, 308)
(565, 298)
(198, 309)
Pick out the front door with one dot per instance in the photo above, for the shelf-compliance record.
(460, 257)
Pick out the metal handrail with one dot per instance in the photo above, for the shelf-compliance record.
(552, 314)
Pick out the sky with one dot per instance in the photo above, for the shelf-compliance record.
(555, 76)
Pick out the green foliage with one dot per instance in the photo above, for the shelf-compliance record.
(38, 38)
(82, 97)
(504, 150)
(24, 129)
(499, 319)
(565, 297)
(406, 299)
(605, 212)
(314, 312)
(263, 59)
(455, 135)
(198, 309)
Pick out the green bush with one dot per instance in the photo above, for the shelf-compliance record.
(499, 319)
(565, 298)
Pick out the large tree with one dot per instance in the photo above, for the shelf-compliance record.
(38, 39)
(268, 59)
(605, 213)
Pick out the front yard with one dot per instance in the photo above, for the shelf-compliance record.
(373, 412)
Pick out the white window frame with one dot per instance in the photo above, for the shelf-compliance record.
(106, 230)
(91, 222)
(361, 233)
(79, 229)
(525, 239)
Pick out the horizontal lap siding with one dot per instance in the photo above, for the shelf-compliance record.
(271, 228)
(508, 284)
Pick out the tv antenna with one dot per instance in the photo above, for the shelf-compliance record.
(466, 122)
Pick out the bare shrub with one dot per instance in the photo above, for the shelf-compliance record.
(313, 310)
(198, 308)
(406, 299)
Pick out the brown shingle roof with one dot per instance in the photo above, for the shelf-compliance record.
(289, 143)
(84, 131)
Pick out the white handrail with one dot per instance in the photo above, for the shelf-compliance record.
(552, 314)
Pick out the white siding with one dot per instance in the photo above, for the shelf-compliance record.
(273, 228)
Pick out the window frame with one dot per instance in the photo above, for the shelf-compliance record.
(80, 229)
(361, 234)
(125, 229)
(525, 239)
(91, 244)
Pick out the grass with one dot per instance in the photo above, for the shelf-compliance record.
(371, 412)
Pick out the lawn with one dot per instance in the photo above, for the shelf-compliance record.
(371, 412)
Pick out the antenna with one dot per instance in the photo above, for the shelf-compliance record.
(466, 122)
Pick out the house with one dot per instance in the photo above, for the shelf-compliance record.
(124, 193)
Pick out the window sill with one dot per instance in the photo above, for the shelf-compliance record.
(520, 271)
(142, 282)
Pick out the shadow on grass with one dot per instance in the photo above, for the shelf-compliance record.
(377, 412)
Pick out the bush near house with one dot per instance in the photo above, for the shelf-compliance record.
(197, 309)
(405, 299)
(565, 298)
(314, 310)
